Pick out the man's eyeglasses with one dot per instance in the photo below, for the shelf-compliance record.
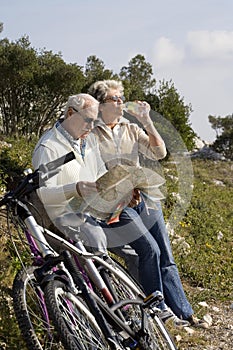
(86, 119)
(115, 98)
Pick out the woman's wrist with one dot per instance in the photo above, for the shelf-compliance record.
(147, 124)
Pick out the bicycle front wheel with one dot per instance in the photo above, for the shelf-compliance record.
(31, 313)
(77, 326)
(159, 336)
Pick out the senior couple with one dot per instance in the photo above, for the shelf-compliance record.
(139, 235)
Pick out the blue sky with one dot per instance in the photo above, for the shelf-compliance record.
(189, 42)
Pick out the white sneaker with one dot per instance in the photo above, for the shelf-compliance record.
(168, 316)
(196, 322)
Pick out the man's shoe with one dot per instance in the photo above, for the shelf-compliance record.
(167, 316)
(197, 323)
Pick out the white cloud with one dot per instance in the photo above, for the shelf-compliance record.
(211, 44)
(166, 53)
(204, 78)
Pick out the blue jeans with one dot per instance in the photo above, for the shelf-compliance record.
(148, 237)
(156, 266)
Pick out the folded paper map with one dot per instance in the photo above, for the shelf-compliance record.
(115, 191)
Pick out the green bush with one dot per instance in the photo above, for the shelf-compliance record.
(15, 157)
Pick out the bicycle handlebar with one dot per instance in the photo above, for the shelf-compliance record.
(32, 181)
(54, 164)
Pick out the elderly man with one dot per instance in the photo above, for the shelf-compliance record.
(63, 192)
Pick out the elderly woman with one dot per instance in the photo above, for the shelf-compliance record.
(121, 142)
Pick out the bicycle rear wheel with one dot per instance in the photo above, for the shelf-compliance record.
(31, 313)
(77, 326)
(121, 291)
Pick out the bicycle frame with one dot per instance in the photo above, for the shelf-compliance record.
(86, 275)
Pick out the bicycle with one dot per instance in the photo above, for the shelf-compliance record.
(77, 290)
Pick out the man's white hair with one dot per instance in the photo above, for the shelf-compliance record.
(79, 102)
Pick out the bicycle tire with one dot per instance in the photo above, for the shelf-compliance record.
(158, 337)
(161, 336)
(71, 317)
(37, 332)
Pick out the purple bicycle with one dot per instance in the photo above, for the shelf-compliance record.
(74, 299)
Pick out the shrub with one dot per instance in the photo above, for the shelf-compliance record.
(15, 157)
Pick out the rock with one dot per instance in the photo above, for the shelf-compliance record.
(178, 338)
(220, 236)
(203, 304)
(218, 183)
(199, 143)
(207, 152)
(181, 245)
(215, 309)
(189, 330)
(208, 319)
(4, 144)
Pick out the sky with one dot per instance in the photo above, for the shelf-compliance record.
(187, 42)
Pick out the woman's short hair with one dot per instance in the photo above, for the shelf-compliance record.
(100, 88)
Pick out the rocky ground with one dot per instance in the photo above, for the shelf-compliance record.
(219, 336)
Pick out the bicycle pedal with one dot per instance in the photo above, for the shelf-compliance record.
(154, 298)
(130, 344)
